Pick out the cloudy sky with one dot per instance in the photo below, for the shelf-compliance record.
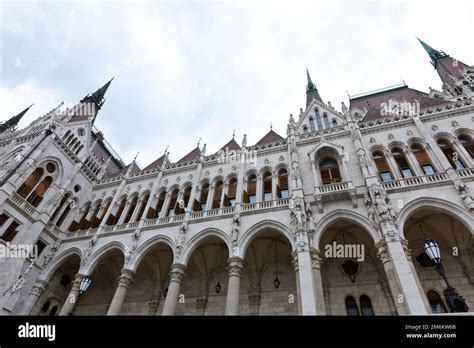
(186, 70)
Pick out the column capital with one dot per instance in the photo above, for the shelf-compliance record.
(126, 278)
(77, 282)
(38, 288)
(382, 252)
(177, 273)
(235, 266)
(316, 260)
(406, 248)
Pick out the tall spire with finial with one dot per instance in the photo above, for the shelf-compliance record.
(97, 98)
(13, 121)
(311, 90)
(434, 54)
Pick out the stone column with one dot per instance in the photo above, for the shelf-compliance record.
(224, 190)
(72, 297)
(210, 196)
(318, 282)
(462, 153)
(402, 279)
(315, 176)
(274, 186)
(235, 268)
(393, 166)
(124, 212)
(124, 282)
(177, 274)
(32, 300)
(306, 283)
(412, 161)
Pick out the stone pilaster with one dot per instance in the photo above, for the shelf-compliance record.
(124, 283)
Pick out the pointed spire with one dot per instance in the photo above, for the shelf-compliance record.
(434, 54)
(311, 90)
(244, 141)
(98, 97)
(13, 122)
(310, 85)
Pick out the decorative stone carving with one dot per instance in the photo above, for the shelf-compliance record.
(381, 202)
(434, 128)
(235, 229)
(382, 251)
(297, 216)
(49, 256)
(407, 250)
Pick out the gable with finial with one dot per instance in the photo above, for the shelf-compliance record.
(326, 114)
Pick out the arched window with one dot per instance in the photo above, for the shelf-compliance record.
(250, 194)
(436, 303)
(422, 158)
(366, 306)
(229, 198)
(326, 121)
(94, 219)
(402, 162)
(351, 306)
(216, 199)
(30, 183)
(200, 205)
(142, 206)
(131, 209)
(305, 129)
(282, 187)
(155, 212)
(53, 311)
(60, 206)
(329, 170)
(468, 143)
(114, 218)
(311, 124)
(382, 166)
(181, 206)
(65, 213)
(334, 122)
(267, 187)
(45, 307)
(318, 119)
(66, 135)
(173, 203)
(84, 223)
(37, 195)
(452, 156)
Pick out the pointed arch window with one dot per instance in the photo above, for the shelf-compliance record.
(311, 124)
(114, 218)
(84, 223)
(351, 306)
(37, 195)
(452, 156)
(131, 209)
(181, 206)
(216, 199)
(329, 170)
(382, 166)
(250, 193)
(468, 142)
(155, 212)
(200, 205)
(422, 158)
(318, 119)
(402, 162)
(64, 214)
(30, 183)
(334, 122)
(282, 187)
(173, 203)
(326, 121)
(436, 303)
(142, 206)
(267, 187)
(229, 198)
(305, 129)
(366, 306)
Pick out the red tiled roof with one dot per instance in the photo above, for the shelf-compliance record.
(373, 102)
(270, 137)
(448, 66)
(195, 153)
(157, 163)
(231, 145)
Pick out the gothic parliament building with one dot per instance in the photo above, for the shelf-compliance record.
(330, 218)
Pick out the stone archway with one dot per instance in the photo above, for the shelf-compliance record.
(59, 285)
(269, 282)
(204, 288)
(354, 281)
(456, 246)
(148, 291)
(96, 300)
